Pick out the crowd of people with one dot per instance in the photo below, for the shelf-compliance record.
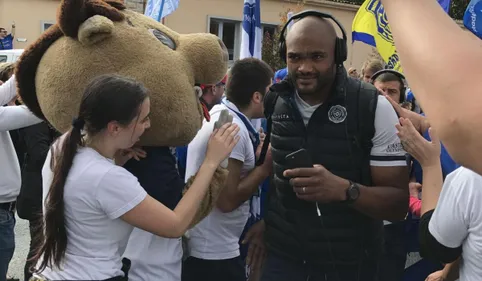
(343, 177)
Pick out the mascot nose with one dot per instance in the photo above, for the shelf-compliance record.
(225, 50)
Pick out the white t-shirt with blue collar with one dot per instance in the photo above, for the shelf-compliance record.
(216, 237)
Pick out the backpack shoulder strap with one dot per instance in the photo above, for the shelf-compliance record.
(269, 106)
(361, 100)
(270, 103)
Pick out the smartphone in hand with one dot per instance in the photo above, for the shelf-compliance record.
(224, 118)
(299, 159)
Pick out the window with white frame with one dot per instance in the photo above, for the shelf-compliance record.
(44, 25)
(230, 32)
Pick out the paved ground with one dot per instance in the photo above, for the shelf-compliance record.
(22, 244)
(22, 240)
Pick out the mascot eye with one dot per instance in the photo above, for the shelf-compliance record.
(161, 36)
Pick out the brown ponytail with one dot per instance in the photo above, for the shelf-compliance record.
(54, 243)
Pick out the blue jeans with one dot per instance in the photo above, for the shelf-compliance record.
(7, 241)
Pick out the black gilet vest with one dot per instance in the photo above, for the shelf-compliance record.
(341, 143)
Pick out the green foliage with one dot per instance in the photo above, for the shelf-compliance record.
(270, 48)
(270, 51)
(457, 8)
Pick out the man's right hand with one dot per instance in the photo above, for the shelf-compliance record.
(419, 121)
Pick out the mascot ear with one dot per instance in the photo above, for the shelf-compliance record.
(73, 13)
(95, 29)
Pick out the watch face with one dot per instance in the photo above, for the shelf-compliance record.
(353, 193)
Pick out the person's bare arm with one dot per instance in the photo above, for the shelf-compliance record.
(443, 74)
(451, 270)
(13, 30)
(152, 216)
(432, 186)
(388, 197)
(238, 190)
(427, 154)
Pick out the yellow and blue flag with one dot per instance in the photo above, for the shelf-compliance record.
(371, 27)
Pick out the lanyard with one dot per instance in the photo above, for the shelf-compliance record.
(253, 134)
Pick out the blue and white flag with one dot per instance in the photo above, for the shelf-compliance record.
(252, 33)
(159, 9)
(473, 17)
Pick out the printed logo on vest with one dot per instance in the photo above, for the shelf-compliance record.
(281, 117)
(337, 114)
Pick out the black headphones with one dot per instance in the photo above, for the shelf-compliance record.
(341, 49)
(399, 75)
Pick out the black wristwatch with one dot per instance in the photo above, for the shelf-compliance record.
(352, 193)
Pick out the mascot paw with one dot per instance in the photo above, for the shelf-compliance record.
(214, 190)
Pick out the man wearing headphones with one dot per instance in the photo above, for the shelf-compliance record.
(391, 83)
(325, 222)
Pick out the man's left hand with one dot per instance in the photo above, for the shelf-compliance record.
(317, 184)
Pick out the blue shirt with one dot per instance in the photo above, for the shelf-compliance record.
(7, 43)
(181, 153)
(410, 96)
(158, 175)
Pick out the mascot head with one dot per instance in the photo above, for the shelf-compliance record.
(95, 37)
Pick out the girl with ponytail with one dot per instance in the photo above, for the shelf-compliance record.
(91, 203)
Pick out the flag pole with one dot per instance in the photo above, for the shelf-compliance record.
(351, 53)
(159, 17)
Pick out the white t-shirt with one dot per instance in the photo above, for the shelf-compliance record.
(153, 257)
(457, 220)
(217, 236)
(11, 118)
(97, 192)
(387, 150)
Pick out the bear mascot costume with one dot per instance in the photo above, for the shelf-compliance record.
(95, 37)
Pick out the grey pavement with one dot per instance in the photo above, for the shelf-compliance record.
(22, 244)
